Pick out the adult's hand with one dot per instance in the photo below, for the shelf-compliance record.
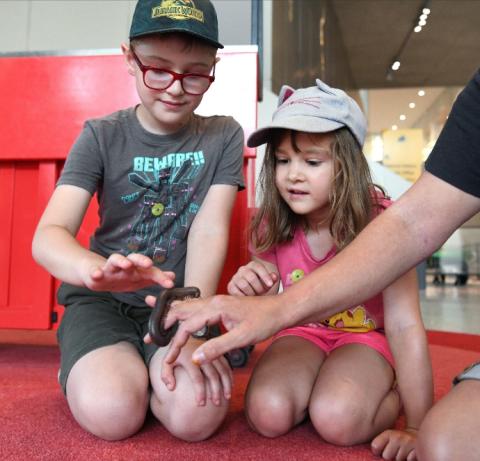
(248, 320)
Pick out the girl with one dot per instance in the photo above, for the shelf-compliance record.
(351, 373)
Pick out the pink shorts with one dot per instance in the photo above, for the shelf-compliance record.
(328, 339)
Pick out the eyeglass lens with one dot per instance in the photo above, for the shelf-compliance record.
(160, 80)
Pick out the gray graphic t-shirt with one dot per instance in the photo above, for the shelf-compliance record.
(150, 187)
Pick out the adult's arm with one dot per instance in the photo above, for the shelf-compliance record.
(406, 233)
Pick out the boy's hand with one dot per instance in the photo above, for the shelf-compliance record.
(396, 444)
(125, 273)
(254, 279)
(214, 379)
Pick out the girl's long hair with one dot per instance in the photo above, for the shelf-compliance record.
(354, 199)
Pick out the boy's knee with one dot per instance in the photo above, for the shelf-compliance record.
(269, 413)
(196, 424)
(114, 416)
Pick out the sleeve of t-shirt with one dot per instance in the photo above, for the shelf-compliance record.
(230, 168)
(84, 166)
(455, 157)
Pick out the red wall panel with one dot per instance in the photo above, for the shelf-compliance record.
(45, 100)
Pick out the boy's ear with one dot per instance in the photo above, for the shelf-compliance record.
(285, 92)
(128, 58)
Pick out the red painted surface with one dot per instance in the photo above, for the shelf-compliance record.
(45, 100)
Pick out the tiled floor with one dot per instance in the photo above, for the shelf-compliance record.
(452, 308)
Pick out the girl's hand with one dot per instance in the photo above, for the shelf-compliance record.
(124, 273)
(254, 279)
(396, 445)
(209, 380)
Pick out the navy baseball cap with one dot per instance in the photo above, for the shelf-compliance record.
(316, 109)
(194, 17)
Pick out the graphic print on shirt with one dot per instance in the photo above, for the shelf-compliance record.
(295, 276)
(168, 203)
(355, 320)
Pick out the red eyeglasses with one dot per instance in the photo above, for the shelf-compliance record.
(161, 79)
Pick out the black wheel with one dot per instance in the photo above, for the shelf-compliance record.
(238, 358)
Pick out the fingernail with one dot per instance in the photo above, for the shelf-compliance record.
(198, 357)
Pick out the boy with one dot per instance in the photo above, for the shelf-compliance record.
(166, 181)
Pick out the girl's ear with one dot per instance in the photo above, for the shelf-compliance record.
(285, 92)
(128, 59)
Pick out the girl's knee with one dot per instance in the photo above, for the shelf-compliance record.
(337, 422)
(269, 413)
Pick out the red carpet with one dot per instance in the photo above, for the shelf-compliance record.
(35, 423)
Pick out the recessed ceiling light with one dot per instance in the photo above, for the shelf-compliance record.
(394, 127)
(403, 117)
(422, 22)
(417, 29)
(412, 105)
(423, 17)
(421, 93)
(426, 11)
(396, 65)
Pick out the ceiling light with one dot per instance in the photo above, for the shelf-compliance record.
(412, 105)
(422, 16)
(396, 65)
(394, 127)
(403, 117)
(421, 93)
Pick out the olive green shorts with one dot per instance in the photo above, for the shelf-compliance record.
(95, 319)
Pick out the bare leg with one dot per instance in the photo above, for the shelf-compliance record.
(352, 400)
(450, 429)
(279, 389)
(107, 391)
(177, 410)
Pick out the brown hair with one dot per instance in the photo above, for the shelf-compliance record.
(354, 199)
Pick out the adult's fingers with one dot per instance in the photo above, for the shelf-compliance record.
(226, 376)
(216, 347)
(199, 384)
(168, 376)
(192, 319)
(214, 382)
